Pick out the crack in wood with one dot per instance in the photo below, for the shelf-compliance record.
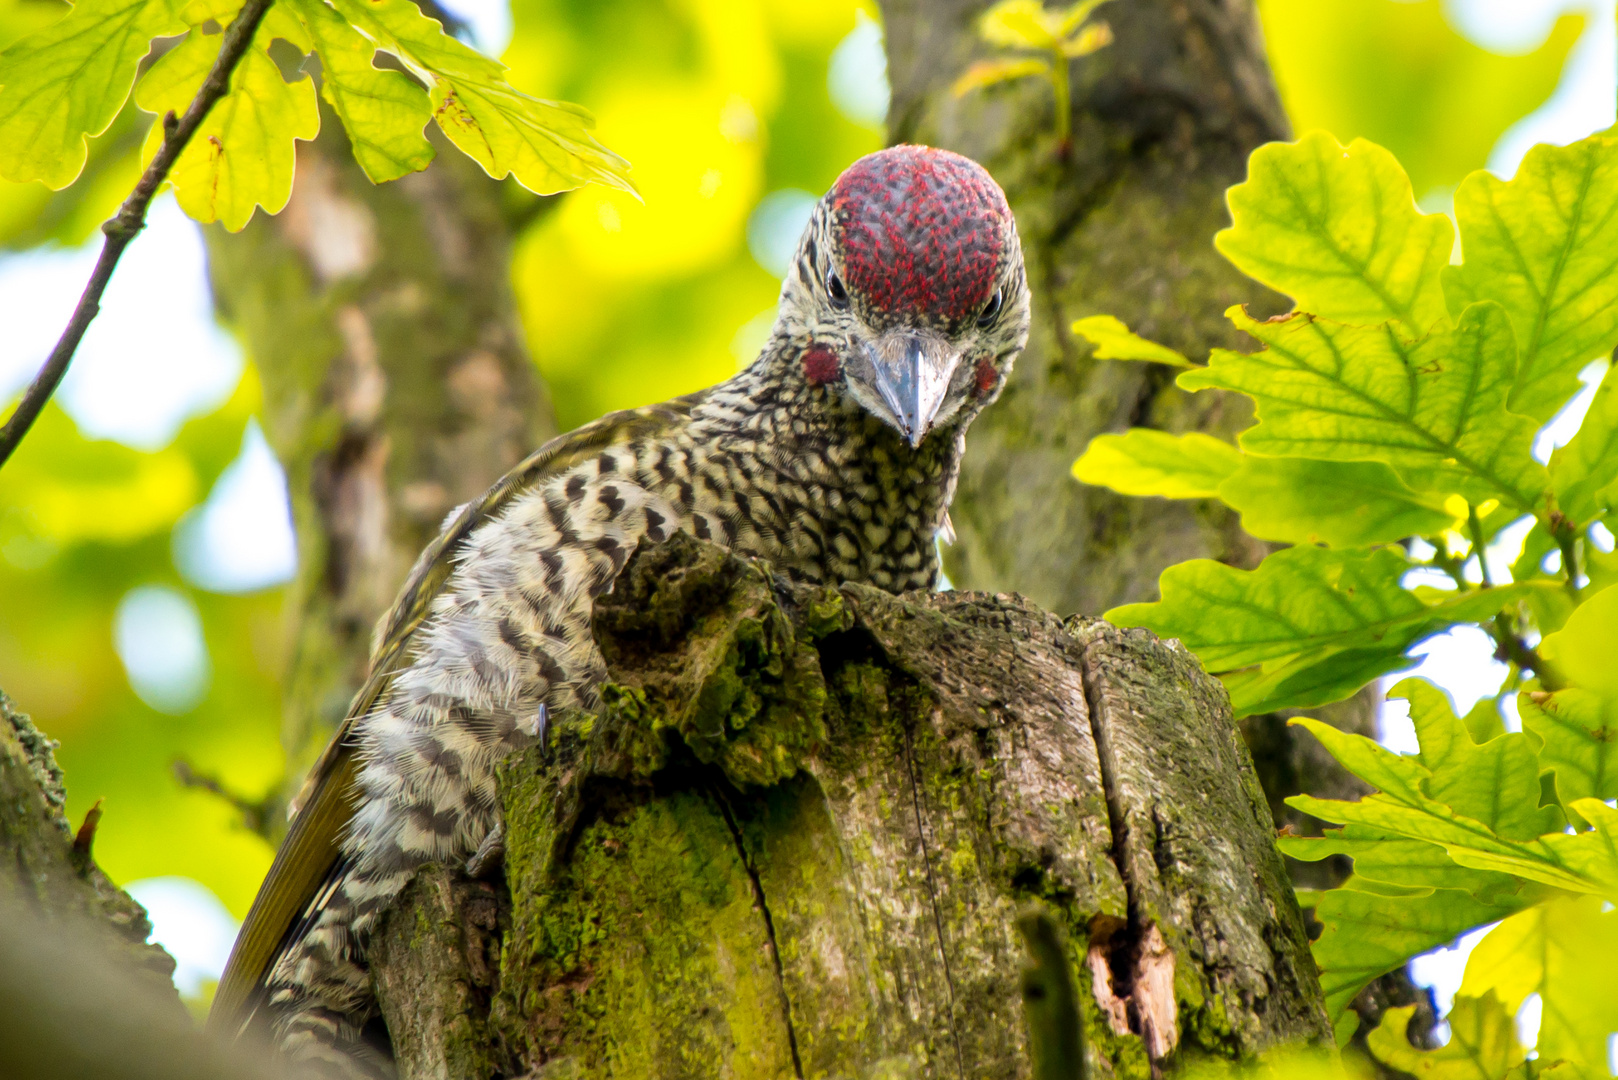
(769, 924)
(932, 899)
(1145, 941)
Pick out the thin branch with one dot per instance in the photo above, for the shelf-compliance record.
(262, 816)
(1479, 548)
(1513, 649)
(131, 219)
(1564, 532)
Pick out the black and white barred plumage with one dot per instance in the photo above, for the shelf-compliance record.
(834, 456)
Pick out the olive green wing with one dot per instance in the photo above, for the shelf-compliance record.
(324, 806)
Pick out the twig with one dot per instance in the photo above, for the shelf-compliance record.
(1478, 547)
(1563, 532)
(1511, 648)
(131, 219)
(262, 816)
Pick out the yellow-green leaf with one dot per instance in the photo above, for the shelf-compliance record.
(989, 72)
(545, 145)
(1482, 1042)
(1074, 17)
(1586, 862)
(1145, 462)
(1338, 231)
(69, 80)
(1091, 39)
(1410, 864)
(1115, 341)
(1433, 409)
(383, 112)
(243, 154)
(1545, 246)
(1310, 625)
(1585, 649)
(1367, 935)
(1583, 472)
(1496, 783)
(1020, 24)
(1341, 503)
(1566, 951)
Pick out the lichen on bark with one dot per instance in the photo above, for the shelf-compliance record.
(795, 840)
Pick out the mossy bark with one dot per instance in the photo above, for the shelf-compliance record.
(82, 995)
(383, 326)
(795, 841)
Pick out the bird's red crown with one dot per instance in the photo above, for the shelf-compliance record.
(920, 231)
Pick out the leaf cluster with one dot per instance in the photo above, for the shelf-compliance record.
(1042, 42)
(1399, 402)
(385, 69)
(1397, 409)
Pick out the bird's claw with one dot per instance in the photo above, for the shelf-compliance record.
(491, 853)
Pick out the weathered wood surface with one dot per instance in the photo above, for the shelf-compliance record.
(795, 842)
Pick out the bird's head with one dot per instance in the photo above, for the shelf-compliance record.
(907, 294)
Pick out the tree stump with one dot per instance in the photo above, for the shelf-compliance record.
(795, 841)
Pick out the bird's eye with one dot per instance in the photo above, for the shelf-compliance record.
(991, 310)
(839, 295)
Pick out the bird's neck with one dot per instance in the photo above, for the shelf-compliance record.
(799, 420)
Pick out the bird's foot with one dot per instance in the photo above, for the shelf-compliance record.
(490, 854)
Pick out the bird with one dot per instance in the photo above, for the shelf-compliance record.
(833, 457)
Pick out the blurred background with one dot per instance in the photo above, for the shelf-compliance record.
(145, 533)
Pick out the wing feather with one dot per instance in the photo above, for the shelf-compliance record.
(324, 806)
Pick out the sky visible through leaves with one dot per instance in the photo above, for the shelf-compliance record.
(171, 622)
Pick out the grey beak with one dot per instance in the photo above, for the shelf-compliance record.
(912, 375)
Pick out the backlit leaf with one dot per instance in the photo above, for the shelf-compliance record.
(1341, 503)
(1338, 231)
(1299, 599)
(1586, 862)
(383, 112)
(69, 80)
(1580, 741)
(1566, 951)
(1482, 1042)
(1584, 470)
(243, 154)
(1584, 649)
(1367, 935)
(1318, 623)
(1434, 409)
(1545, 246)
(989, 72)
(1114, 341)
(1146, 462)
(1020, 24)
(1496, 783)
(545, 145)
(1410, 864)
(1091, 39)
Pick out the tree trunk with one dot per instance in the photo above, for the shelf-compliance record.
(396, 385)
(1119, 223)
(795, 841)
(82, 996)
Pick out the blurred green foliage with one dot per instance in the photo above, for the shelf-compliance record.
(1397, 73)
(716, 104)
